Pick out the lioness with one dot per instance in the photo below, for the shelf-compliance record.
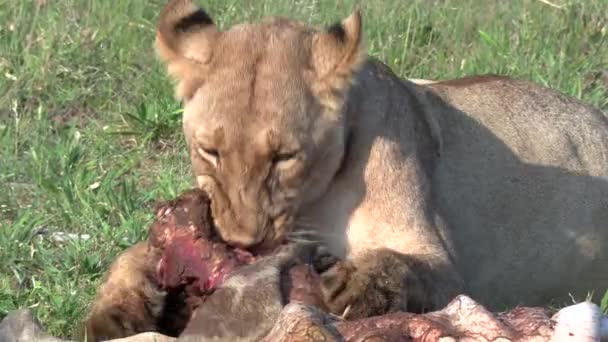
(487, 185)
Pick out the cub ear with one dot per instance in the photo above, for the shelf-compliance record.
(337, 52)
(184, 42)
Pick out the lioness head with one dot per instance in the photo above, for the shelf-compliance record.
(263, 113)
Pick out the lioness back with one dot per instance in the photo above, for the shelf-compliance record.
(523, 181)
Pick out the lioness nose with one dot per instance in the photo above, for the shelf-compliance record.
(249, 219)
(246, 235)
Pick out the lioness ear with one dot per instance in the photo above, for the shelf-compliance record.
(337, 53)
(184, 41)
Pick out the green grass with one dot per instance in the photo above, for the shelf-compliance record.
(90, 134)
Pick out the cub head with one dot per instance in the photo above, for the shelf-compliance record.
(263, 116)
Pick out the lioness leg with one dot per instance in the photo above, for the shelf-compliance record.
(399, 249)
(129, 300)
(383, 281)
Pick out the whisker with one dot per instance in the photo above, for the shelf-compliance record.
(305, 219)
(311, 235)
(304, 236)
(306, 225)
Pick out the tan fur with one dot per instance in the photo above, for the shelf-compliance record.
(490, 186)
(129, 301)
(119, 308)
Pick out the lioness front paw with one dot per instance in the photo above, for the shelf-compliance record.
(369, 286)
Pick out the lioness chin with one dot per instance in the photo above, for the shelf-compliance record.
(488, 186)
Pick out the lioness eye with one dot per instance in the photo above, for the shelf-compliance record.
(211, 152)
(282, 157)
(211, 155)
